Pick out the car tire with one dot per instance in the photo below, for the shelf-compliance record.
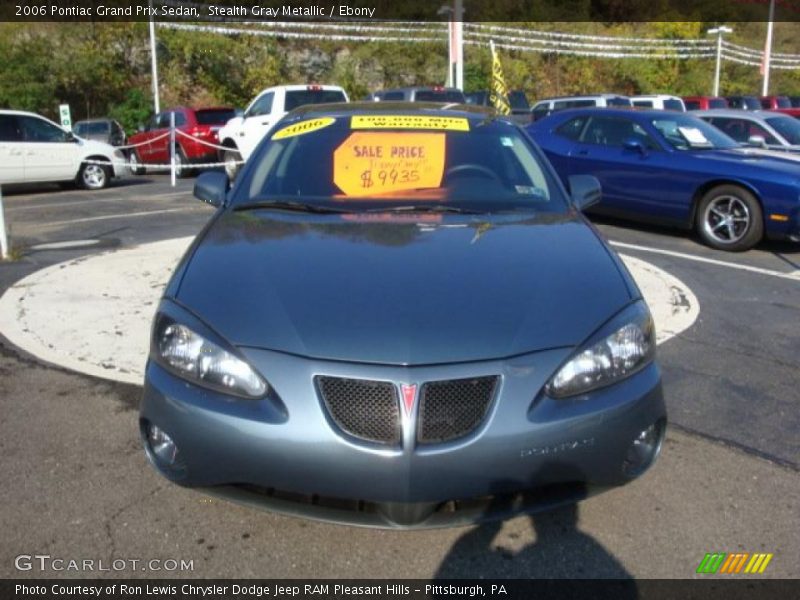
(135, 163)
(232, 158)
(93, 176)
(729, 218)
(181, 164)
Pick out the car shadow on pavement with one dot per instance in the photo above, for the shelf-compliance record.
(559, 550)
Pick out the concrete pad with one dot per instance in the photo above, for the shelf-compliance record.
(93, 314)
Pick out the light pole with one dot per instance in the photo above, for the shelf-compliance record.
(455, 43)
(154, 60)
(768, 49)
(718, 31)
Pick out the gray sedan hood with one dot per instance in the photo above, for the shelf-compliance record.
(418, 289)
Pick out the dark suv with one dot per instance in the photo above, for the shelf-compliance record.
(520, 107)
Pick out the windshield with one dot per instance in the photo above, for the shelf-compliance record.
(401, 160)
(717, 103)
(302, 97)
(215, 116)
(788, 127)
(751, 103)
(783, 102)
(439, 96)
(671, 104)
(684, 132)
(618, 101)
(518, 100)
(96, 128)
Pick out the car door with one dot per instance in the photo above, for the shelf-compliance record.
(636, 181)
(159, 144)
(143, 140)
(50, 153)
(12, 164)
(259, 118)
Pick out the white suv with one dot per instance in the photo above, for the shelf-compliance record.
(659, 102)
(242, 134)
(34, 149)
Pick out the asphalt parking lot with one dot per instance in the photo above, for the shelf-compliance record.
(78, 487)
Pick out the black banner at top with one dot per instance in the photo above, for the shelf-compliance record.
(202, 11)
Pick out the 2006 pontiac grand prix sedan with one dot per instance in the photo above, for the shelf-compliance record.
(398, 317)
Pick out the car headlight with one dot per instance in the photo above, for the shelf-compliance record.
(193, 357)
(625, 351)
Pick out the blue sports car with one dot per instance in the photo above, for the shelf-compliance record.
(398, 317)
(675, 169)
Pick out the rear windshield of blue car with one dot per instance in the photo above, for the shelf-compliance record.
(406, 159)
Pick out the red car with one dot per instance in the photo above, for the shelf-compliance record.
(192, 127)
(704, 102)
(773, 102)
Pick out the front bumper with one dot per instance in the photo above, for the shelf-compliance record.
(283, 452)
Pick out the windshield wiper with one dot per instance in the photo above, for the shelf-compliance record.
(291, 205)
(434, 208)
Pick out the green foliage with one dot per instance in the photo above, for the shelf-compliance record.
(133, 110)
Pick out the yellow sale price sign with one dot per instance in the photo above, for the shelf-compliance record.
(371, 163)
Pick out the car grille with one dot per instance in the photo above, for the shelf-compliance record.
(452, 409)
(369, 410)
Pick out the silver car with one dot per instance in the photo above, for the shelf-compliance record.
(762, 129)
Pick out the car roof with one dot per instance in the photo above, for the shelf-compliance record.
(583, 97)
(410, 88)
(734, 113)
(97, 120)
(655, 97)
(437, 109)
(630, 112)
(26, 113)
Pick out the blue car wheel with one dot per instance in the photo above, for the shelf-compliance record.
(730, 218)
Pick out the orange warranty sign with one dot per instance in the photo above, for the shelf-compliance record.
(371, 163)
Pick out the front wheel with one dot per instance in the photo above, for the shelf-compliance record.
(181, 168)
(135, 164)
(93, 176)
(729, 218)
(232, 159)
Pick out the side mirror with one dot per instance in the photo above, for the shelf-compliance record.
(585, 191)
(757, 140)
(634, 145)
(212, 187)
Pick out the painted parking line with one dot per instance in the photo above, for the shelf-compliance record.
(143, 213)
(792, 276)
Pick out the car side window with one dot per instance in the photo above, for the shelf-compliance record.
(262, 106)
(393, 96)
(756, 129)
(572, 129)
(540, 112)
(734, 128)
(180, 119)
(615, 131)
(163, 121)
(643, 103)
(9, 129)
(39, 130)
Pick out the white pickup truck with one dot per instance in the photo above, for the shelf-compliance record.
(242, 134)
